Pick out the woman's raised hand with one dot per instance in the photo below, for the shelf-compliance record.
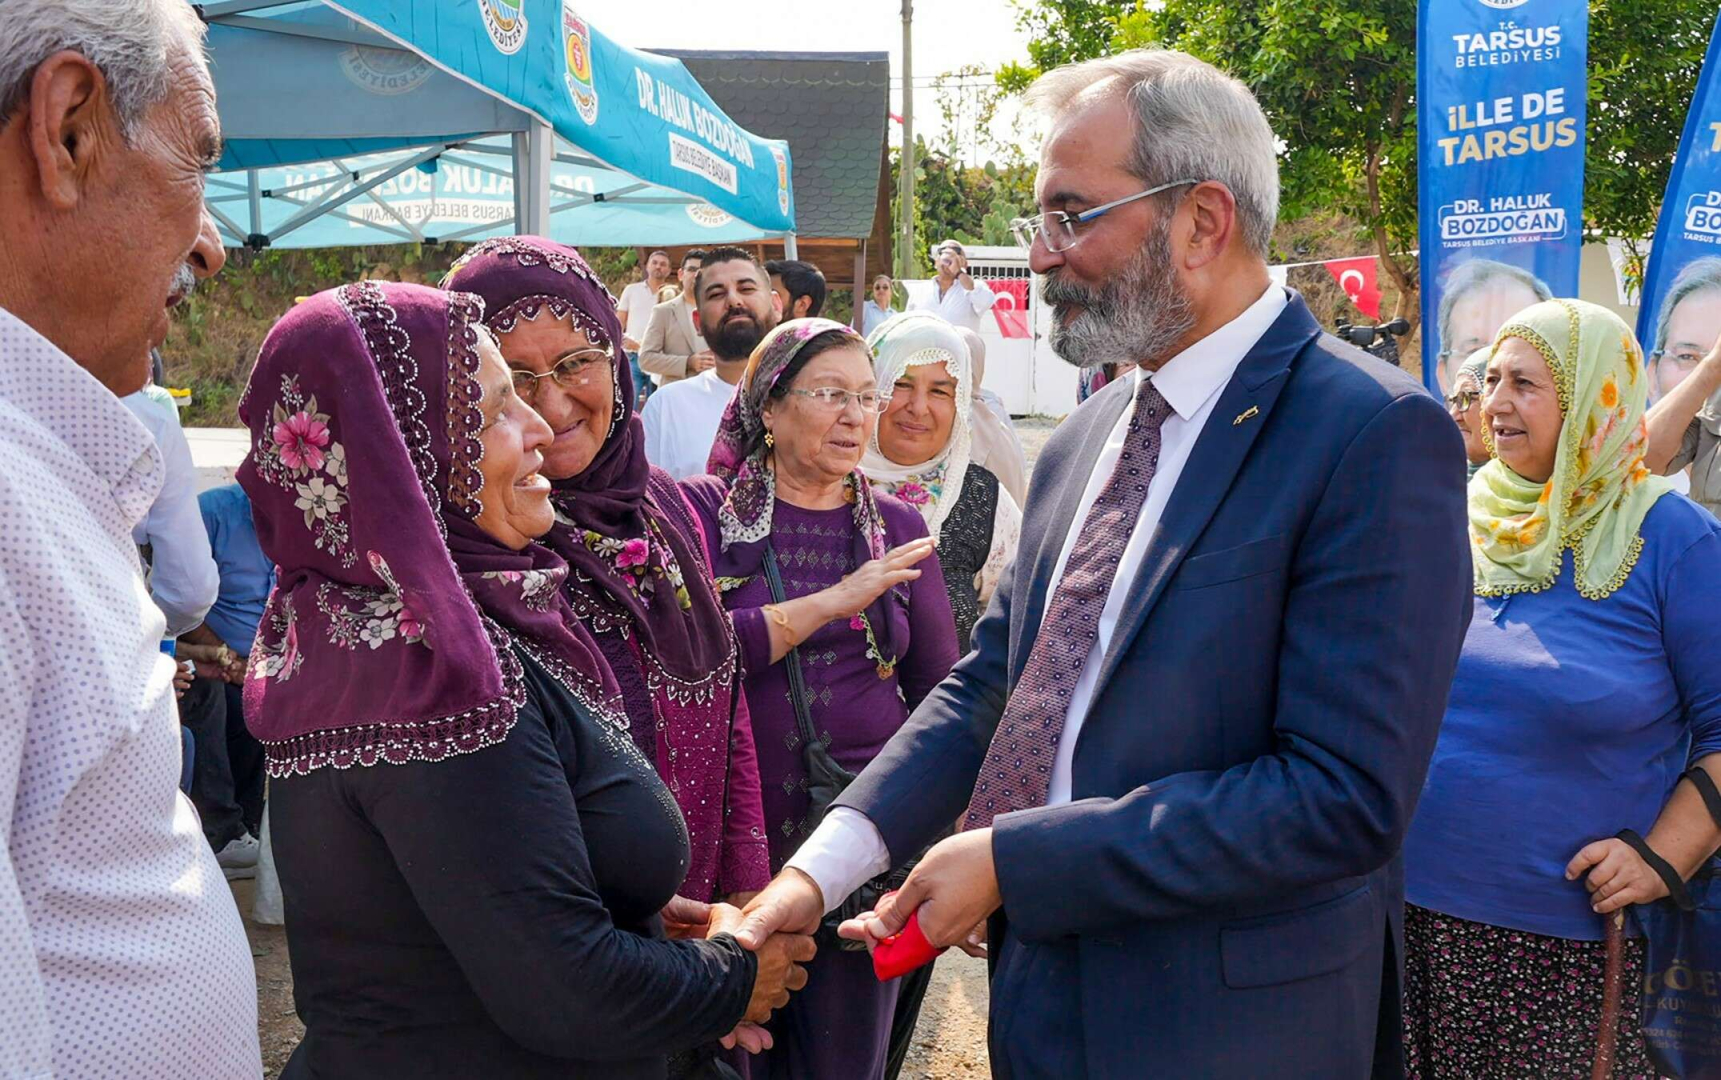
(850, 596)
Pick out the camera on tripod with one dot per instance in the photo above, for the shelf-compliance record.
(1379, 341)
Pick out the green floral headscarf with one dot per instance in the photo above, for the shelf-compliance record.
(1600, 490)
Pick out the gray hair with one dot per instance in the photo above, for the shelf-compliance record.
(1467, 278)
(1695, 276)
(1191, 120)
(134, 43)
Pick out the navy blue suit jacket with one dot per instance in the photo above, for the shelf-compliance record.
(1223, 896)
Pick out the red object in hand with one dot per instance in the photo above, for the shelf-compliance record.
(903, 951)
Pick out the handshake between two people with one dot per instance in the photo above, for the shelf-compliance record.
(781, 957)
(953, 889)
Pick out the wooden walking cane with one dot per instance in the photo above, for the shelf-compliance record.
(1612, 990)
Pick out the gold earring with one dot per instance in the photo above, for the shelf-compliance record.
(770, 440)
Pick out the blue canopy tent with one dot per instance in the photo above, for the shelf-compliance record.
(375, 122)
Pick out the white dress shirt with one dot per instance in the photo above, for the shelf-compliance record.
(681, 423)
(183, 578)
(957, 306)
(846, 849)
(121, 952)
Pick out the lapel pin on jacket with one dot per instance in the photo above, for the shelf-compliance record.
(1252, 410)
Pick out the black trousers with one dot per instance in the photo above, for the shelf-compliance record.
(227, 771)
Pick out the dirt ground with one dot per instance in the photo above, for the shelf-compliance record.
(950, 1041)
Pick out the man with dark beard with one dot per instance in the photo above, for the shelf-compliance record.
(734, 308)
(1196, 719)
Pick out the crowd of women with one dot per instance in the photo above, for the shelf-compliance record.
(540, 719)
(475, 555)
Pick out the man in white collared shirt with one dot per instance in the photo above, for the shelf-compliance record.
(183, 579)
(954, 295)
(1196, 719)
(121, 951)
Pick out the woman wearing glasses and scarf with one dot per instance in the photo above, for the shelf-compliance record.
(641, 580)
(812, 559)
(1464, 405)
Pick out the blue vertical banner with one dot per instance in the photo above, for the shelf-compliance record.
(1680, 316)
(1500, 89)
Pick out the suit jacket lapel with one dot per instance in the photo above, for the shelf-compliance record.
(687, 328)
(1212, 466)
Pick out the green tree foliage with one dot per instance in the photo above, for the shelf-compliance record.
(970, 203)
(1338, 83)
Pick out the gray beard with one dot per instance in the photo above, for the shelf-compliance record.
(1137, 317)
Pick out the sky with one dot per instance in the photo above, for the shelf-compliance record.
(948, 34)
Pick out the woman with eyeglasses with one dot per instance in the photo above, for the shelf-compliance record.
(641, 578)
(844, 623)
(1464, 405)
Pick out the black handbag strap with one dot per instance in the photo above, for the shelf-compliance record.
(797, 682)
(1676, 890)
(1705, 786)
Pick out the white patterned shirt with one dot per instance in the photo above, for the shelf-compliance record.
(121, 951)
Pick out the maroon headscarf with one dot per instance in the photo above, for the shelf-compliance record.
(639, 568)
(606, 511)
(387, 636)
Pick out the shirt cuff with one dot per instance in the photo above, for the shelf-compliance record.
(844, 853)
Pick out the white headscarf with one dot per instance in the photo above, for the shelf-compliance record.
(932, 486)
(996, 446)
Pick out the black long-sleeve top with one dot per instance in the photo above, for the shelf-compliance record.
(494, 914)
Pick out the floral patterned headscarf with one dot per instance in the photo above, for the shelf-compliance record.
(388, 636)
(638, 569)
(933, 486)
(739, 459)
(1600, 490)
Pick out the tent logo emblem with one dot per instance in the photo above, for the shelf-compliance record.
(707, 216)
(577, 37)
(384, 71)
(505, 21)
(782, 178)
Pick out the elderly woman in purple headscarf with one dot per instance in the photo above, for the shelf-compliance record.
(641, 578)
(473, 852)
(859, 599)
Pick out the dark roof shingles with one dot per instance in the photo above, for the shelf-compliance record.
(831, 108)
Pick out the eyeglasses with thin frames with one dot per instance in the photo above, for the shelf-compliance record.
(571, 371)
(835, 399)
(1058, 228)
(1463, 399)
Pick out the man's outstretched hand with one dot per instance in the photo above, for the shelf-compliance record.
(792, 904)
(954, 887)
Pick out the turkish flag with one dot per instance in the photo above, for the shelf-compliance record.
(1011, 310)
(1357, 278)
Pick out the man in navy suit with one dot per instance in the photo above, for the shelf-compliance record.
(1194, 728)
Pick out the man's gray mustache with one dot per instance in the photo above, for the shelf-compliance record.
(184, 280)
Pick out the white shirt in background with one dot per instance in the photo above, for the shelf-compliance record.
(681, 423)
(121, 952)
(846, 850)
(183, 578)
(635, 306)
(958, 306)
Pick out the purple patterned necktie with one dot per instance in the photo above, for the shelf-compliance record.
(1017, 772)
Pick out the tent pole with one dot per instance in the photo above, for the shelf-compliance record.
(791, 250)
(254, 198)
(534, 155)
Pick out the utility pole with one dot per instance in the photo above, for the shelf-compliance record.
(905, 182)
